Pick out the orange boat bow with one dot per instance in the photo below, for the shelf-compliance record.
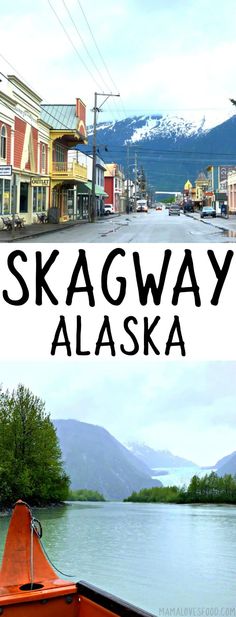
(27, 577)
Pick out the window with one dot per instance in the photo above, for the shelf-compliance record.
(3, 142)
(5, 197)
(43, 158)
(39, 198)
(60, 154)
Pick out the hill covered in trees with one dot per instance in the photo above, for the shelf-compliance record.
(209, 489)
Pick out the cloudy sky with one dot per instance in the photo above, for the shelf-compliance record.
(167, 56)
(186, 407)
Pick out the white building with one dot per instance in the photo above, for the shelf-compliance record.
(84, 189)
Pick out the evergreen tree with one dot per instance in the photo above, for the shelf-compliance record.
(30, 458)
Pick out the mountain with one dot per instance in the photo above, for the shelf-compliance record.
(169, 148)
(158, 458)
(95, 460)
(226, 465)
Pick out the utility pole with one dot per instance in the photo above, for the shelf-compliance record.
(96, 109)
(14, 197)
(127, 201)
(135, 180)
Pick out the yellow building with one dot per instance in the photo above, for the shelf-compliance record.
(201, 185)
(187, 186)
(67, 130)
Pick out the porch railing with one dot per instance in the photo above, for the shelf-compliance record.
(72, 170)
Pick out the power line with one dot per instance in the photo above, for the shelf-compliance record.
(100, 54)
(84, 45)
(172, 152)
(74, 47)
(98, 50)
(87, 51)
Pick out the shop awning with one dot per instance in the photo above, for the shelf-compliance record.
(98, 189)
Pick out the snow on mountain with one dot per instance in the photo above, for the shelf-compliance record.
(166, 126)
(194, 141)
(149, 127)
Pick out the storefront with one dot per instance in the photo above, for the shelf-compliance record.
(5, 196)
(39, 197)
(84, 197)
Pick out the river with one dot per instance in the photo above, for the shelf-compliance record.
(153, 555)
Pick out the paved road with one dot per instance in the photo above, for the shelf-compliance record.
(156, 226)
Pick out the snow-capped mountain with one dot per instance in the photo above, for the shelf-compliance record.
(171, 149)
(158, 458)
(168, 126)
(148, 127)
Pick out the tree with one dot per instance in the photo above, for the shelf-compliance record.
(31, 467)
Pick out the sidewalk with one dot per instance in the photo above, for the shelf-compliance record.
(36, 229)
(224, 224)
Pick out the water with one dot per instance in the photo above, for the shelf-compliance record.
(153, 555)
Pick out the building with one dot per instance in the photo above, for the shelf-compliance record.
(187, 192)
(84, 189)
(67, 130)
(201, 186)
(24, 151)
(231, 189)
(216, 194)
(114, 182)
(35, 175)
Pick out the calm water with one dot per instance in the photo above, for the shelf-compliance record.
(153, 555)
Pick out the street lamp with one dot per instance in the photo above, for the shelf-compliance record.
(96, 109)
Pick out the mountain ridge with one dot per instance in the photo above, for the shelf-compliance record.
(95, 460)
(171, 149)
(159, 458)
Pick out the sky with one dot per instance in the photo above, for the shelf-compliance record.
(187, 407)
(163, 56)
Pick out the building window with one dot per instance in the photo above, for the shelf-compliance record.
(43, 158)
(3, 142)
(5, 197)
(39, 198)
(60, 154)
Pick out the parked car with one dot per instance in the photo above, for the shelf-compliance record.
(159, 207)
(108, 209)
(174, 209)
(208, 211)
(188, 208)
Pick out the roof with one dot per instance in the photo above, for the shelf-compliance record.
(60, 117)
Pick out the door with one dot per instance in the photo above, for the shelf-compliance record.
(24, 190)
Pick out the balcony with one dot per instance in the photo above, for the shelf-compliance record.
(69, 171)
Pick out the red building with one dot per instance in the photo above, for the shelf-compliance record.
(114, 180)
(24, 145)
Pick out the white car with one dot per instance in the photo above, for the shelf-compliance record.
(108, 208)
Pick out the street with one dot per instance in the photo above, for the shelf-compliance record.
(154, 226)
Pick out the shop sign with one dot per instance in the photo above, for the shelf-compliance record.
(40, 181)
(5, 171)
